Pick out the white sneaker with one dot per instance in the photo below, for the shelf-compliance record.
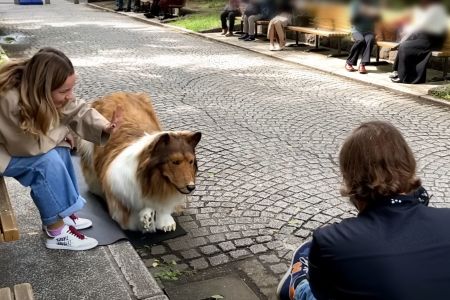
(71, 239)
(75, 221)
(78, 223)
(394, 75)
(277, 48)
(271, 47)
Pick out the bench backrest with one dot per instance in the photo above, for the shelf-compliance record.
(335, 17)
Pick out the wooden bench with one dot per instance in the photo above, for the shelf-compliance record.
(21, 291)
(444, 54)
(331, 21)
(8, 223)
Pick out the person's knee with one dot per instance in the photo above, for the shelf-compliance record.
(370, 40)
(252, 18)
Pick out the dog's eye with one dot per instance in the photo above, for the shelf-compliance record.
(176, 162)
(191, 162)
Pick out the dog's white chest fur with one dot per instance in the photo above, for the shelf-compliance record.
(121, 174)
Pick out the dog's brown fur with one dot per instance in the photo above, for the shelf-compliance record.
(166, 165)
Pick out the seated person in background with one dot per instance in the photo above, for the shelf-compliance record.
(230, 12)
(427, 33)
(255, 10)
(396, 248)
(364, 14)
(275, 31)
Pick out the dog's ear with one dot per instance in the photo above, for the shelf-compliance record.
(194, 138)
(163, 140)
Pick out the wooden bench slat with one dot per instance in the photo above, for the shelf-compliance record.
(5, 294)
(387, 44)
(23, 291)
(445, 53)
(8, 220)
(320, 32)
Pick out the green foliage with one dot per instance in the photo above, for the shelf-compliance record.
(199, 22)
(441, 92)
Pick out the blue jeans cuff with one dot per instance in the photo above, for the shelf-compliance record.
(77, 206)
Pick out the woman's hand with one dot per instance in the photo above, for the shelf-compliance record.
(116, 121)
(71, 141)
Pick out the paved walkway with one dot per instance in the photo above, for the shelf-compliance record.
(272, 130)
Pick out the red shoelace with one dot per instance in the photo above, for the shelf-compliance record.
(76, 233)
(73, 217)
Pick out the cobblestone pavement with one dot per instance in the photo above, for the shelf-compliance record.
(271, 130)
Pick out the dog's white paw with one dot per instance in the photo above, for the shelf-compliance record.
(147, 219)
(165, 222)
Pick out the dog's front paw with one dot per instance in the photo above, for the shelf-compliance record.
(147, 219)
(165, 222)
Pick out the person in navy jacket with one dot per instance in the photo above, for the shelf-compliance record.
(396, 248)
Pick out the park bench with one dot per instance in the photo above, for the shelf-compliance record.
(443, 54)
(21, 291)
(331, 21)
(8, 223)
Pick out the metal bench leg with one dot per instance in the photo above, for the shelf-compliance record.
(378, 54)
(445, 68)
(339, 52)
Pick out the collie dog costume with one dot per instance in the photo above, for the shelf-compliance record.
(142, 172)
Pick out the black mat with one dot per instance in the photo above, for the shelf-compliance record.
(105, 230)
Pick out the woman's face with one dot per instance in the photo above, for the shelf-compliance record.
(64, 93)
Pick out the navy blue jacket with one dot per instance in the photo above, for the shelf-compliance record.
(398, 249)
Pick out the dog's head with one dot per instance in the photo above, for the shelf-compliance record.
(173, 154)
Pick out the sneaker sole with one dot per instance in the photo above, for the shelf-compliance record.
(288, 272)
(59, 247)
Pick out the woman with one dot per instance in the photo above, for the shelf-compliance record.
(275, 31)
(427, 33)
(37, 108)
(395, 248)
(364, 14)
(230, 12)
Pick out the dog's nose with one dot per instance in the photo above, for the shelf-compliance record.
(191, 187)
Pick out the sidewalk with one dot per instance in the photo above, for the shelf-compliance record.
(378, 75)
(112, 272)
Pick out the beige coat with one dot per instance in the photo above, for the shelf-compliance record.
(76, 115)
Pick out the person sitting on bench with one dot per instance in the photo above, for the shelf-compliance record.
(364, 14)
(395, 248)
(230, 12)
(427, 33)
(37, 108)
(275, 31)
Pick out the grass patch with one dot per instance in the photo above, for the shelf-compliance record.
(206, 17)
(3, 56)
(199, 22)
(206, 5)
(442, 92)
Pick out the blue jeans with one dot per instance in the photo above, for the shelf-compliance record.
(303, 291)
(53, 183)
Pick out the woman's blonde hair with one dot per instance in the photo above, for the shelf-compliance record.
(376, 162)
(35, 79)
